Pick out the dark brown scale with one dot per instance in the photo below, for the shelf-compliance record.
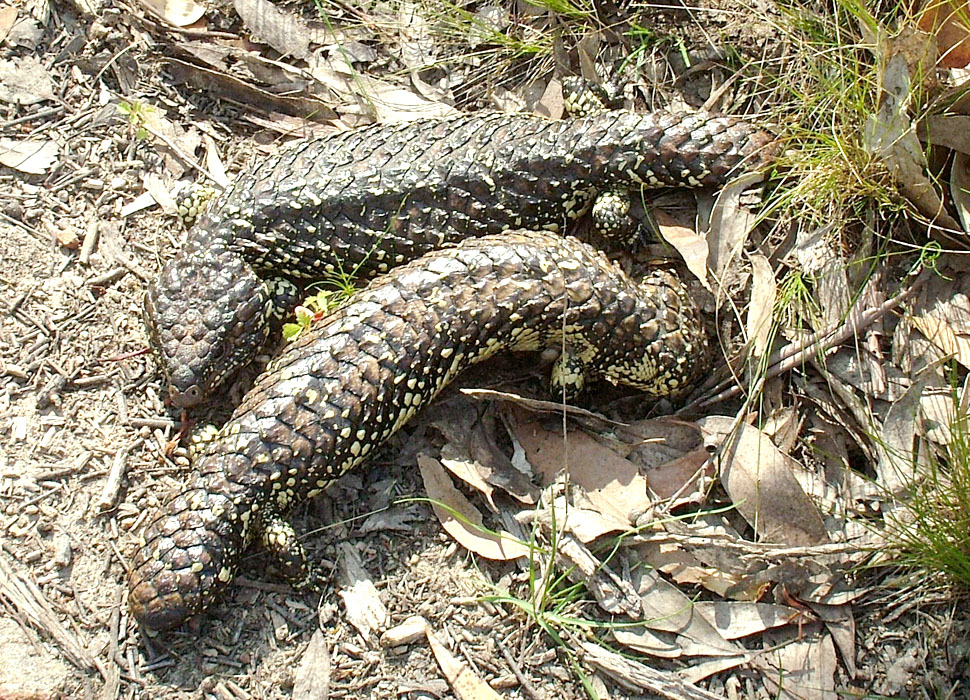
(367, 200)
(357, 376)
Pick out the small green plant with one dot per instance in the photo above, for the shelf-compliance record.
(138, 113)
(648, 40)
(319, 305)
(932, 532)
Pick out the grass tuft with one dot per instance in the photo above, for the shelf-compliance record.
(932, 531)
(826, 95)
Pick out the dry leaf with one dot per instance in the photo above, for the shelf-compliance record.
(365, 610)
(33, 156)
(381, 100)
(691, 246)
(847, 366)
(229, 87)
(612, 484)
(25, 81)
(840, 623)
(213, 163)
(469, 472)
(937, 412)
(820, 256)
(393, 519)
(466, 684)
(762, 306)
(646, 641)
(947, 20)
(583, 523)
(551, 104)
(656, 441)
(699, 670)
(949, 130)
(312, 679)
(667, 609)
(798, 669)
(890, 135)
(8, 15)
(283, 31)
(461, 519)
(731, 222)
(682, 478)
(960, 187)
(471, 451)
(942, 314)
(735, 619)
(178, 13)
(684, 568)
(158, 189)
(898, 464)
(758, 478)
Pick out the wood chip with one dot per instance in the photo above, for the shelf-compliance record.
(466, 684)
(312, 680)
(24, 595)
(407, 632)
(365, 609)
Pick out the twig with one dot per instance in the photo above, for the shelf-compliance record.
(29, 229)
(160, 423)
(636, 676)
(181, 154)
(797, 353)
(41, 114)
(112, 485)
(108, 278)
(90, 240)
(69, 180)
(24, 595)
(522, 678)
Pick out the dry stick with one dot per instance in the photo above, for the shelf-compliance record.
(69, 180)
(29, 229)
(112, 485)
(108, 278)
(517, 670)
(794, 354)
(637, 676)
(784, 353)
(40, 114)
(182, 155)
(24, 595)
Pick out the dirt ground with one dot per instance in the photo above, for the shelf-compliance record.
(85, 435)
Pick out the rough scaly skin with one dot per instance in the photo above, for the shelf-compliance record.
(366, 200)
(353, 379)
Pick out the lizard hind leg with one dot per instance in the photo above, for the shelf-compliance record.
(569, 376)
(281, 541)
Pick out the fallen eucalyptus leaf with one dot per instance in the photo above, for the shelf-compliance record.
(32, 156)
(178, 13)
(461, 519)
(758, 477)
